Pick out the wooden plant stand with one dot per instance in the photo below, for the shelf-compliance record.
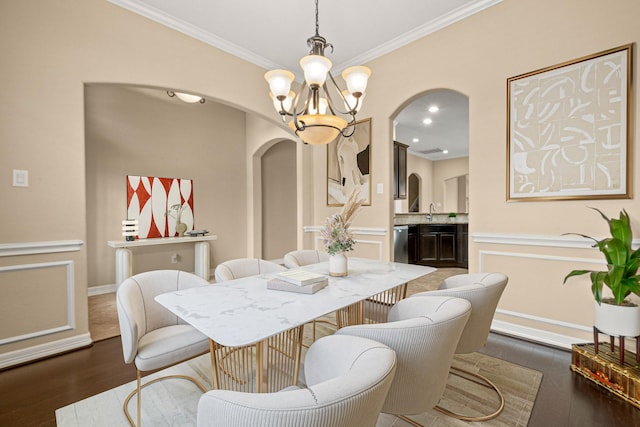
(596, 338)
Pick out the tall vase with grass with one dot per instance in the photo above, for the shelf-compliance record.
(337, 238)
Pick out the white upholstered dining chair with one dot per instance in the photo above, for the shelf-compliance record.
(302, 257)
(244, 267)
(152, 336)
(424, 333)
(347, 379)
(483, 291)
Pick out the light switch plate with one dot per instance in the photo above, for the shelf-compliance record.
(20, 178)
(379, 188)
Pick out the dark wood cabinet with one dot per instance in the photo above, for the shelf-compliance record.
(413, 244)
(462, 255)
(399, 170)
(437, 245)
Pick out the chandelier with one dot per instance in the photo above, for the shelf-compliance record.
(315, 117)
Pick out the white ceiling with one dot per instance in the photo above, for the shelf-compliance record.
(273, 33)
(448, 131)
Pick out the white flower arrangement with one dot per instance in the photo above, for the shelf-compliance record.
(336, 234)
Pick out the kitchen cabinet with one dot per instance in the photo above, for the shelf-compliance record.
(437, 245)
(399, 170)
(412, 243)
(462, 252)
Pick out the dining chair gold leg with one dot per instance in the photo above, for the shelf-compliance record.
(139, 398)
(410, 421)
(138, 390)
(485, 382)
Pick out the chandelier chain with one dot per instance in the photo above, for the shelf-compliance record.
(317, 24)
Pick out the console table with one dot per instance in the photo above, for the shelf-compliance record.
(124, 256)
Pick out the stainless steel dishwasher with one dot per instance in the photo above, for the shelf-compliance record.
(401, 243)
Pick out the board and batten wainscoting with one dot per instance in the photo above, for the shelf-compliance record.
(536, 305)
(365, 247)
(39, 291)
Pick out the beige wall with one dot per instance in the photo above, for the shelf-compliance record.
(475, 57)
(50, 51)
(442, 171)
(132, 131)
(432, 176)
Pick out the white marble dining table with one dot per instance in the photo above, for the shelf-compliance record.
(242, 312)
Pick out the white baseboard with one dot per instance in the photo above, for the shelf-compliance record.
(29, 354)
(536, 335)
(108, 289)
(100, 290)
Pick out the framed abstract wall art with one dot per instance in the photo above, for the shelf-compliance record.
(159, 205)
(569, 129)
(349, 165)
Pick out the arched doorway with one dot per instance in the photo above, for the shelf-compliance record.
(414, 193)
(278, 170)
(435, 127)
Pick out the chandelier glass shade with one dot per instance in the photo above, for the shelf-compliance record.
(320, 111)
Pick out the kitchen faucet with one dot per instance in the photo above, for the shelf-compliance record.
(432, 209)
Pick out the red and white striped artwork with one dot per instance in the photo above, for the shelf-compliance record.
(150, 201)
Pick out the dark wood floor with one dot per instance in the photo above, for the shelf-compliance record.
(30, 394)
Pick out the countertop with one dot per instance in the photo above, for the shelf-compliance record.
(422, 218)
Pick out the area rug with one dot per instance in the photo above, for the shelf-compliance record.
(173, 402)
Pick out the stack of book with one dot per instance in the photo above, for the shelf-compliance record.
(300, 281)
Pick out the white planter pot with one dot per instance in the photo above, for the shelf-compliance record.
(338, 265)
(618, 320)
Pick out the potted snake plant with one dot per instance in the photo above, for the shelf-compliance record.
(615, 315)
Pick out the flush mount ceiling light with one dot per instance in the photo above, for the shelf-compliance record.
(315, 118)
(186, 97)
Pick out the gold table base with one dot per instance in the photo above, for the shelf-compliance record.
(267, 366)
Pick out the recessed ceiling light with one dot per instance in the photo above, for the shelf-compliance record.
(434, 109)
(427, 121)
(445, 151)
(416, 140)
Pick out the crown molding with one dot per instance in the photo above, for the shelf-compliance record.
(419, 32)
(194, 31)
